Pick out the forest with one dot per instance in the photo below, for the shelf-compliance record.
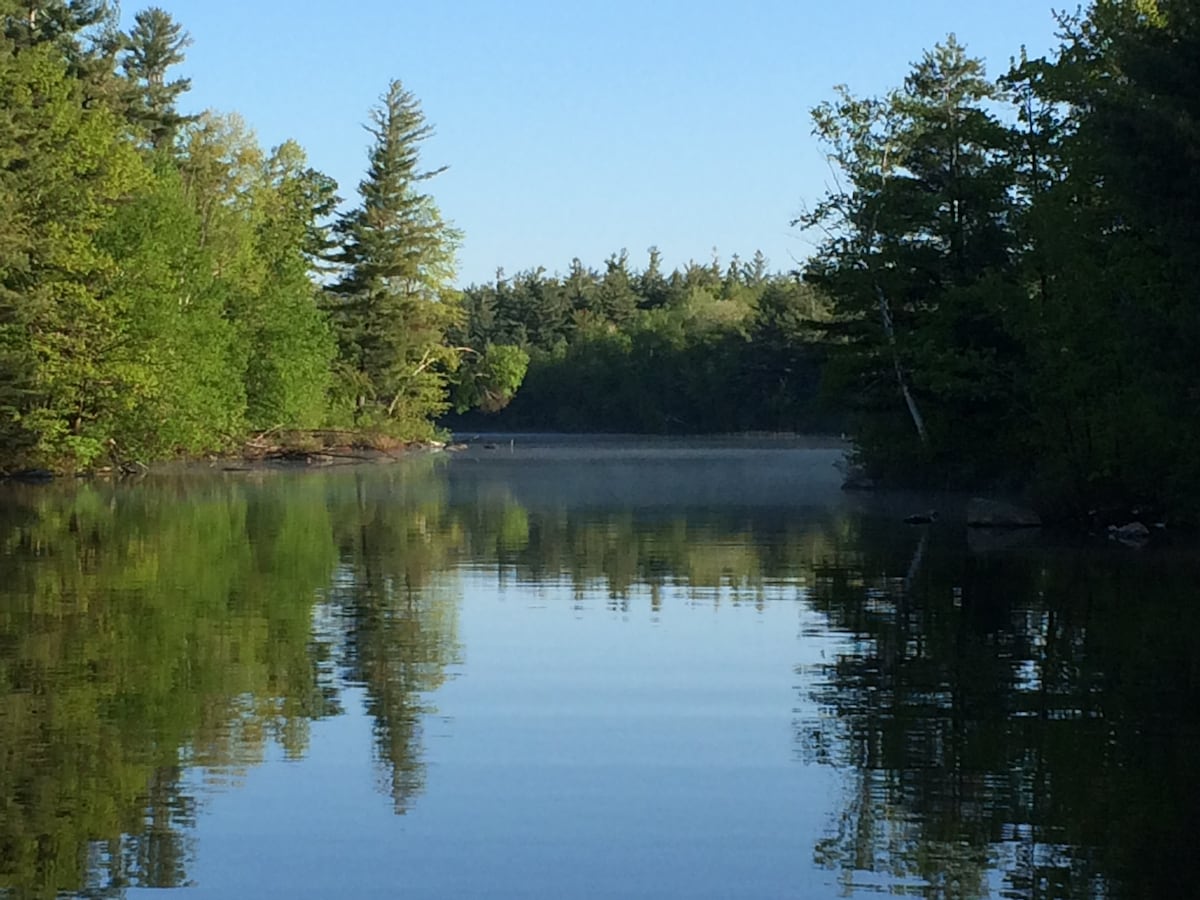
(707, 349)
(1002, 290)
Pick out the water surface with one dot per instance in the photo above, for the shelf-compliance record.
(583, 668)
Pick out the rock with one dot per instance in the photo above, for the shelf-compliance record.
(456, 448)
(984, 513)
(1134, 533)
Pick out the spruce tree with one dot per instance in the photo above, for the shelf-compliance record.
(393, 305)
(615, 300)
(652, 286)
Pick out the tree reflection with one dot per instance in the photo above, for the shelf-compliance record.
(150, 630)
(1004, 721)
(395, 594)
(143, 630)
(1013, 723)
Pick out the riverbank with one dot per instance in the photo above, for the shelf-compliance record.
(276, 448)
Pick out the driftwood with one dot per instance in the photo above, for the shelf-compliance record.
(320, 446)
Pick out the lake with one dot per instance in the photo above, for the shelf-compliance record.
(584, 668)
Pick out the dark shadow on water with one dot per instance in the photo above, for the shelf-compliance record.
(1020, 720)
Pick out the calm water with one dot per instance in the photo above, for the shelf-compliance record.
(583, 669)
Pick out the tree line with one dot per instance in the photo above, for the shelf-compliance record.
(705, 348)
(168, 286)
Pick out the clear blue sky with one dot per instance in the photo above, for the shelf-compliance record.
(579, 127)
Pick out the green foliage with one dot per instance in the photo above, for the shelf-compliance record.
(68, 167)
(170, 624)
(917, 260)
(181, 355)
(489, 380)
(158, 288)
(291, 347)
(62, 24)
(1118, 218)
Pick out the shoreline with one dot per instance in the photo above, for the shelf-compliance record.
(255, 455)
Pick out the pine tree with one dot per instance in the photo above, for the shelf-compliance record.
(755, 271)
(918, 262)
(394, 303)
(1110, 137)
(652, 286)
(155, 44)
(84, 34)
(580, 287)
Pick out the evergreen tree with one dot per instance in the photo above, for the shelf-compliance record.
(393, 305)
(548, 322)
(755, 272)
(615, 300)
(652, 286)
(83, 33)
(155, 44)
(918, 263)
(1109, 143)
(580, 286)
(61, 23)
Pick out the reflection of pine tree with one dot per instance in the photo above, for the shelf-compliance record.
(400, 626)
(914, 709)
